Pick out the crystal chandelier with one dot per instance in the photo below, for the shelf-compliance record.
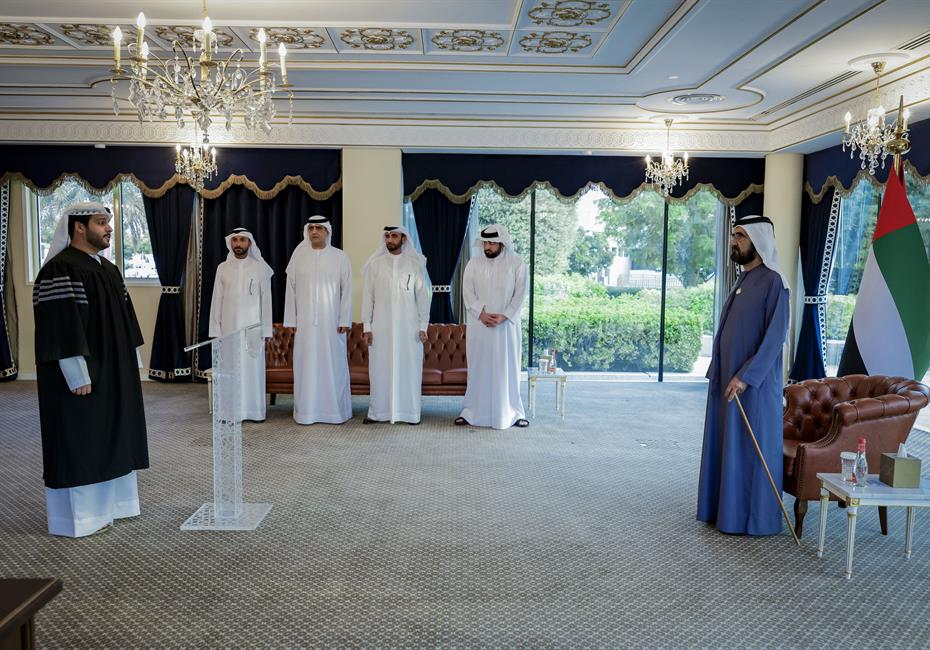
(196, 163)
(199, 85)
(669, 171)
(873, 135)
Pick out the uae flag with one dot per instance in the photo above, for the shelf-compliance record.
(890, 330)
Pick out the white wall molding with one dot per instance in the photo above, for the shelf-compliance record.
(501, 134)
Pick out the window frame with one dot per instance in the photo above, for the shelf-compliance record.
(30, 200)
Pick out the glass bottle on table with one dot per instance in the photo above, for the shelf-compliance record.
(861, 468)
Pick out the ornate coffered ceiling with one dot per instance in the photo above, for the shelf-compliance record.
(750, 75)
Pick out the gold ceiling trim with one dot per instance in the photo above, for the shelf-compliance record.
(555, 42)
(834, 183)
(468, 40)
(377, 39)
(435, 184)
(25, 35)
(88, 34)
(184, 34)
(295, 38)
(569, 13)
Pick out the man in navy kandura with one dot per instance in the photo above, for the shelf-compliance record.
(734, 493)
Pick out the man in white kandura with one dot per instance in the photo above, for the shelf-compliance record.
(494, 287)
(242, 297)
(395, 315)
(318, 302)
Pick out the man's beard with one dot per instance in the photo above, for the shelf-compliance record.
(392, 247)
(492, 254)
(97, 241)
(240, 253)
(743, 258)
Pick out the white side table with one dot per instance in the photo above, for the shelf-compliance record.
(874, 493)
(558, 377)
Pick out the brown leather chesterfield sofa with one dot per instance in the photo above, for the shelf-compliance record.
(444, 366)
(824, 417)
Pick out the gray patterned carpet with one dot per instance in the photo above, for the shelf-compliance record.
(574, 534)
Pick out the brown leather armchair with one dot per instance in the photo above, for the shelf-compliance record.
(824, 417)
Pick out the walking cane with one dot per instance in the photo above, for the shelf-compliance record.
(767, 472)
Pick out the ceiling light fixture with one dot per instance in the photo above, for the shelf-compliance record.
(199, 86)
(874, 137)
(668, 171)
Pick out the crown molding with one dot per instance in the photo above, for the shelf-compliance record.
(478, 134)
(407, 135)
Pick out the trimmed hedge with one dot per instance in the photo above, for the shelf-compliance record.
(620, 334)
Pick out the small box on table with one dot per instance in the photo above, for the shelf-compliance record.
(899, 472)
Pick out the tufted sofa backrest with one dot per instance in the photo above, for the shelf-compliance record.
(444, 348)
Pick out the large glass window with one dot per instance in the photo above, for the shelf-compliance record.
(597, 278)
(690, 281)
(130, 246)
(858, 214)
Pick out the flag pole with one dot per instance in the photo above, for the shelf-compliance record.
(767, 472)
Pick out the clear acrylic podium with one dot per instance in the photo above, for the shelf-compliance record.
(227, 510)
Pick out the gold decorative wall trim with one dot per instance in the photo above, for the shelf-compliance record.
(433, 184)
(154, 193)
(863, 175)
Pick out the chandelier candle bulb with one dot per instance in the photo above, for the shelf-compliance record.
(263, 54)
(907, 115)
(848, 118)
(282, 52)
(117, 41)
(140, 31)
(144, 56)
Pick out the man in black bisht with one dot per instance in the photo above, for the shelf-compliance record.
(90, 397)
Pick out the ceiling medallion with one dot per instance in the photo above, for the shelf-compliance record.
(93, 35)
(569, 13)
(296, 38)
(874, 136)
(468, 40)
(195, 85)
(696, 99)
(23, 34)
(669, 171)
(554, 42)
(185, 35)
(377, 38)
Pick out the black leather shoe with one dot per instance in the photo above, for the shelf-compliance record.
(369, 421)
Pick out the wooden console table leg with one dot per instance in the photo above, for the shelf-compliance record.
(852, 510)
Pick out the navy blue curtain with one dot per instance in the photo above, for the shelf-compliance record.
(169, 222)
(815, 221)
(277, 225)
(153, 166)
(441, 225)
(569, 174)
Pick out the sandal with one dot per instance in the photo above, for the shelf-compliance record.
(460, 421)
(522, 423)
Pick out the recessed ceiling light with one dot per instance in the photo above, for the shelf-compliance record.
(673, 77)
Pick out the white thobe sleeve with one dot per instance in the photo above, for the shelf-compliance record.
(265, 288)
(216, 306)
(469, 292)
(290, 301)
(139, 357)
(520, 289)
(368, 298)
(345, 286)
(75, 371)
(424, 296)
